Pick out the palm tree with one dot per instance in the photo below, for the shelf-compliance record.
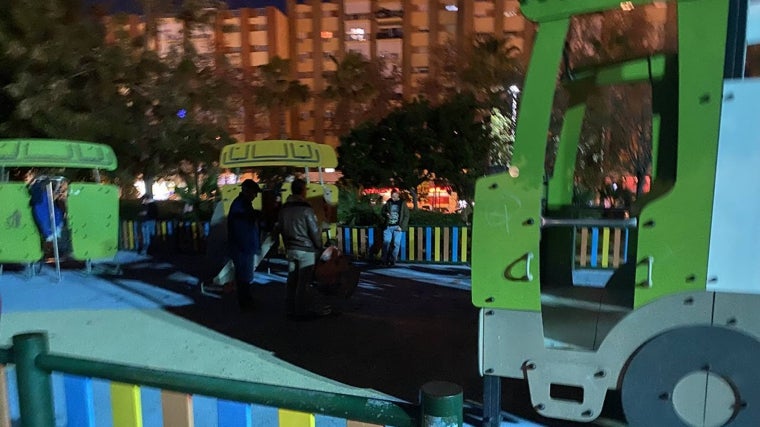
(275, 92)
(357, 85)
(492, 66)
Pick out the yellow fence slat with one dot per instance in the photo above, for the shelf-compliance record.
(616, 248)
(177, 409)
(465, 253)
(5, 415)
(437, 244)
(355, 241)
(125, 405)
(131, 238)
(295, 419)
(605, 247)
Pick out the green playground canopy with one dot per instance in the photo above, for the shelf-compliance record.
(56, 153)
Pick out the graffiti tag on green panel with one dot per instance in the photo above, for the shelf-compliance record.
(93, 215)
(19, 237)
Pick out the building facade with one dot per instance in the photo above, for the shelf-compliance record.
(310, 34)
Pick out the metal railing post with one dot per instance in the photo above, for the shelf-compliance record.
(441, 404)
(35, 386)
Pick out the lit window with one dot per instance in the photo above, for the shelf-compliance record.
(357, 34)
(326, 35)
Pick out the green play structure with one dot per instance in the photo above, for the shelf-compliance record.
(671, 328)
(91, 211)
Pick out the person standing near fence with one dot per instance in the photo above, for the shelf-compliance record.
(395, 213)
(147, 215)
(243, 239)
(298, 226)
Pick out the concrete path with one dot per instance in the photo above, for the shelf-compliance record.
(128, 321)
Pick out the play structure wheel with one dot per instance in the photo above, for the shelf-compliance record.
(702, 376)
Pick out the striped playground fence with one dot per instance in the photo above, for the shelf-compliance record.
(173, 235)
(420, 243)
(127, 390)
(599, 251)
(601, 247)
(595, 247)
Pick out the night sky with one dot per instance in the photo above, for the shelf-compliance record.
(133, 6)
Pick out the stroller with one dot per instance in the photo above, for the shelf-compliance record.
(334, 275)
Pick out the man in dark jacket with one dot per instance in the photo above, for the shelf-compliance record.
(243, 240)
(298, 226)
(396, 216)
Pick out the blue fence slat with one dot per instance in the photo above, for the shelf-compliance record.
(347, 241)
(594, 246)
(152, 407)
(233, 414)
(266, 416)
(136, 233)
(326, 421)
(428, 244)
(80, 409)
(454, 244)
(404, 244)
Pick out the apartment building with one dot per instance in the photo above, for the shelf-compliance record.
(310, 33)
(402, 32)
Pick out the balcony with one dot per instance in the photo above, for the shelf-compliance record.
(390, 33)
(387, 14)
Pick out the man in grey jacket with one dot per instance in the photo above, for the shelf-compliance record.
(298, 226)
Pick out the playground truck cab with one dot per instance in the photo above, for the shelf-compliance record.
(662, 305)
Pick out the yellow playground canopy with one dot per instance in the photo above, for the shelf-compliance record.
(278, 152)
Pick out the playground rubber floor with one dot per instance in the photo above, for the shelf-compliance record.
(404, 326)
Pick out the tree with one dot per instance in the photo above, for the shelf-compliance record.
(417, 142)
(444, 79)
(61, 80)
(386, 153)
(460, 152)
(48, 55)
(616, 137)
(491, 67)
(360, 89)
(276, 92)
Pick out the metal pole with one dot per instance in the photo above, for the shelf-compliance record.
(35, 387)
(51, 213)
(491, 401)
(441, 404)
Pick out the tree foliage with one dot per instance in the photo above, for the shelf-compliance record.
(418, 142)
(362, 89)
(617, 133)
(60, 79)
(275, 91)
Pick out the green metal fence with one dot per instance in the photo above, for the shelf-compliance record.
(441, 403)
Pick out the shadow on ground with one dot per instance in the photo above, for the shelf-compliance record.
(393, 335)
